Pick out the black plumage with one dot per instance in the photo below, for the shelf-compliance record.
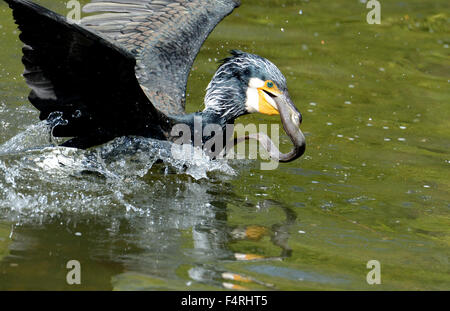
(124, 70)
(82, 72)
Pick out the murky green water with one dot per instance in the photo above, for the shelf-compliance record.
(374, 183)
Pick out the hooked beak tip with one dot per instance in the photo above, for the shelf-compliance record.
(291, 119)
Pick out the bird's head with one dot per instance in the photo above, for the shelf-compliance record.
(247, 83)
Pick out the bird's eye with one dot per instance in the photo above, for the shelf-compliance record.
(269, 84)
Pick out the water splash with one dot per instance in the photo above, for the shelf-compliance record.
(39, 178)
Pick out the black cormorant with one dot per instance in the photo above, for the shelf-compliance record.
(124, 70)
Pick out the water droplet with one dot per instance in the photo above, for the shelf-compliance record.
(76, 114)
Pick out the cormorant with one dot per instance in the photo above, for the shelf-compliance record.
(124, 70)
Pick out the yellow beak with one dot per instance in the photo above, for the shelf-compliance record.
(264, 106)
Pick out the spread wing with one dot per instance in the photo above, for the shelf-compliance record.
(164, 35)
(88, 79)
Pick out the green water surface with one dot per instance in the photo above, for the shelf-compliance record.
(373, 185)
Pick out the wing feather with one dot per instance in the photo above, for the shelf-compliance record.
(86, 78)
(164, 35)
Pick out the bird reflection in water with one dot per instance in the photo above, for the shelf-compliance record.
(185, 226)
